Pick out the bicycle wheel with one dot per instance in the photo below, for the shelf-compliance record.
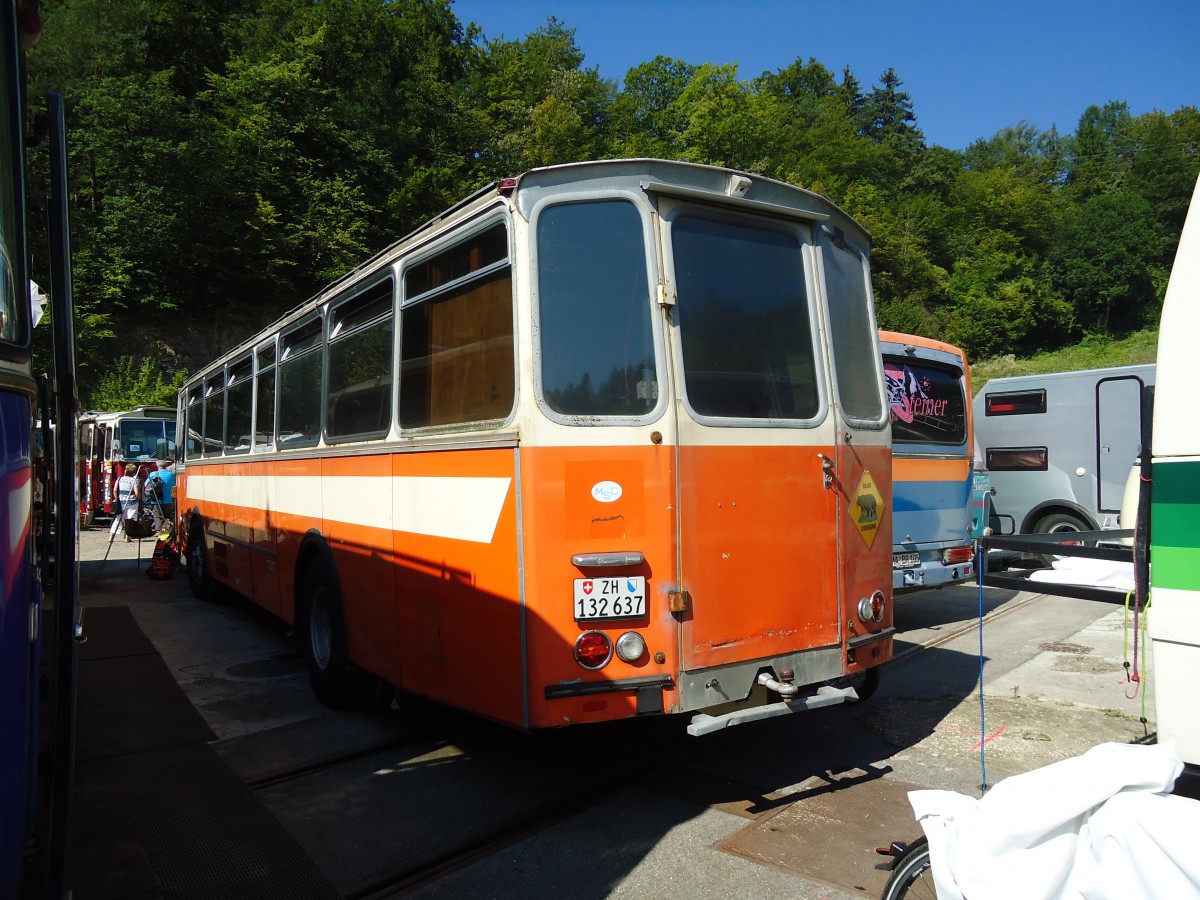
(912, 877)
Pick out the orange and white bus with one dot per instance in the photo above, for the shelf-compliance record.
(605, 440)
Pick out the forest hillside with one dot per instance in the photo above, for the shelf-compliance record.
(228, 158)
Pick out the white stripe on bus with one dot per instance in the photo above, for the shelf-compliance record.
(460, 508)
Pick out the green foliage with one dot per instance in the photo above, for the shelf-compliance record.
(130, 383)
(230, 157)
(1092, 353)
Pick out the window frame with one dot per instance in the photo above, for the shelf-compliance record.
(284, 357)
(460, 235)
(822, 235)
(652, 259)
(234, 376)
(213, 383)
(272, 343)
(332, 325)
(802, 231)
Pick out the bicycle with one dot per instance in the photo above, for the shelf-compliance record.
(912, 876)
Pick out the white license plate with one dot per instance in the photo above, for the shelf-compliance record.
(622, 597)
(906, 560)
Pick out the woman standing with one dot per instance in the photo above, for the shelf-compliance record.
(129, 496)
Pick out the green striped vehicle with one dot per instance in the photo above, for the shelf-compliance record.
(1174, 622)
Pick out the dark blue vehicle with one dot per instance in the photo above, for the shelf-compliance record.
(38, 585)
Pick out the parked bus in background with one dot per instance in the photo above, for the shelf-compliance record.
(928, 386)
(108, 441)
(1058, 447)
(1174, 620)
(601, 441)
(37, 597)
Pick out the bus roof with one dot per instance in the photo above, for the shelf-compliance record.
(712, 184)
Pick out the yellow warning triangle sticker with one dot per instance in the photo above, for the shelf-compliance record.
(866, 508)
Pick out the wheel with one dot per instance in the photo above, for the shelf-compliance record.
(912, 876)
(199, 579)
(322, 628)
(1058, 523)
(864, 683)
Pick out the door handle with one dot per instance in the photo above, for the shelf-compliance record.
(828, 470)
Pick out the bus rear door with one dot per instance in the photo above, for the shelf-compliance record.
(781, 496)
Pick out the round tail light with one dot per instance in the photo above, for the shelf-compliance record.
(870, 609)
(593, 649)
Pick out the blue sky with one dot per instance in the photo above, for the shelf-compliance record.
(972, 66)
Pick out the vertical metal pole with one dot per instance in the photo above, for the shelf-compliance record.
(66, 580)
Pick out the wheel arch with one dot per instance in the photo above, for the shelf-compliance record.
(1050, 507)
(314, 548)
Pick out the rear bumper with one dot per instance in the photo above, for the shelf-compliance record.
(931, 573)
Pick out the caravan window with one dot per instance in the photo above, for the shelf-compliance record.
(1015, 403)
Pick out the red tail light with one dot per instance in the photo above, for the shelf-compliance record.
(957, 555)
(593, 649)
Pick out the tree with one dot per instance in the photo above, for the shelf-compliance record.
(1098, 155)
(538, 105)
(887, 116)
(1105, 263)
(649, 117)
(130, 384)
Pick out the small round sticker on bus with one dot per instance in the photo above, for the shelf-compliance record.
(606, 491)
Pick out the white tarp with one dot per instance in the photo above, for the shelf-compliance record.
(1100, 825)
(1080, 570)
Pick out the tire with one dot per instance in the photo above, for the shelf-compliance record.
(199, 578)
(865, 684)
(912, 877)
(1058, 523)
(322, 630)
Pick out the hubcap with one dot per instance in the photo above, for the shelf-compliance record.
(320, 628)
(196, 557)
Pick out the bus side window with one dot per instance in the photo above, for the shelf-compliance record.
(856, 356)
(361, 341)
(264, 399)
(237, 413)
(300, 385)
(214, 415)
(193, 422)
(456, 356)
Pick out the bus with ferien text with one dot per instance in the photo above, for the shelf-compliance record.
(604, 440)
(928, 385)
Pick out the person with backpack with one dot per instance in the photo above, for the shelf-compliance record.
(129, 498)
(162, 500)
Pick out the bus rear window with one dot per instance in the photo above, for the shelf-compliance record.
(743, 321)
(594, 312)
(1015, 403)
(928, 404)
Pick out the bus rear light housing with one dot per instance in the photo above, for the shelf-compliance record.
(955, 555)
(631, 647)
(870, 609)
(593, 649)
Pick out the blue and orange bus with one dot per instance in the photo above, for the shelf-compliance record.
(37, 598)
(929, 391)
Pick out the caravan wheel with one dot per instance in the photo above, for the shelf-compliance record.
(1058, 523)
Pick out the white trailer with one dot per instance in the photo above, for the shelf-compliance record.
(1058, 447)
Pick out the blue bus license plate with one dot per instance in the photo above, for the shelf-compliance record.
(623, 597)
